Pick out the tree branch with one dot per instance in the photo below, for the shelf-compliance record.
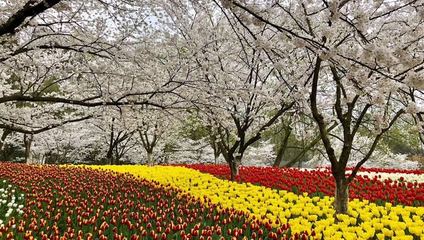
(79, 102)
(374, 145)
(318, 117)
(40, 130)
(30, 9)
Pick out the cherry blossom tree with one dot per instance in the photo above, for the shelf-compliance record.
(238, 90)
(117, 138)
(78, 142)
(93, 53)
(152, 129)
(360, 56)
(153, 132)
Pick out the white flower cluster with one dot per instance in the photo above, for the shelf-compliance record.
(10, 202)
(394, 176)
(407, 177)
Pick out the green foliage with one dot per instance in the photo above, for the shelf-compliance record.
(402, 138)
(183, 52)
(49, 86)
(295, 146)
(194, 129)
(14, 82)
(12, 153)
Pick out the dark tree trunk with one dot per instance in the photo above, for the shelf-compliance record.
(341, 195)
(109, 156)
(150, 158)
(235, 167)
(279, 157)
(233, 170)
(214, 146)
(6, 133)
(282, 149)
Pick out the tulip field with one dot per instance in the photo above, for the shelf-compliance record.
(375, 185)
(198, 202)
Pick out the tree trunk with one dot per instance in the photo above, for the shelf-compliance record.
(235, 167)
(150, 158)
(279, 157)
(233, 171)
(109, 157)
(341, 195)
(28, 142)
(216, 154)
(282, 148)
(6, 133)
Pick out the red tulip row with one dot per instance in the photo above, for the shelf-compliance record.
(78, 203)
(318, 182)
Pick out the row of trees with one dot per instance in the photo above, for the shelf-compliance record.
(342, 70)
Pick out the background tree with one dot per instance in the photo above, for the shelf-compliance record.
(87, 51)
(238, 91)
(155, 129)
(295, 140)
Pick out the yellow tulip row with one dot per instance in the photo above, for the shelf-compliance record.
(364, 220)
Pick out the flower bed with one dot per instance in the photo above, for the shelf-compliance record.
(81, 203)
(320, 182)
(314, 215)
(169, 202)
